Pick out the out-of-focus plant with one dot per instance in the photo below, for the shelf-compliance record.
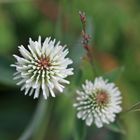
(43, 67)
(112, 32)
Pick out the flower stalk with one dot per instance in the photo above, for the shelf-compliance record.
(85, 41)
(36, 121)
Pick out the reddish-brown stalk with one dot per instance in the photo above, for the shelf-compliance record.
(85, 38)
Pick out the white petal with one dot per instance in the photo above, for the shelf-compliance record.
(37, 92)
(52, 93)
(31, 91)
(80, 114)
(27, 90)
(89, 120)
(25, 53)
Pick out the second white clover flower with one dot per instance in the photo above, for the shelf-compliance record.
(98, 102)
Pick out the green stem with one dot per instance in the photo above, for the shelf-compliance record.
(36, 120)
(84, 132)
(94, 66)
(80, 131)
(133, 107)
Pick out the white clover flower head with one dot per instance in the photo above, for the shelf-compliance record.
(98, 102)
(42, 67)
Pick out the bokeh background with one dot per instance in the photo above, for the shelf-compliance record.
(114, 27)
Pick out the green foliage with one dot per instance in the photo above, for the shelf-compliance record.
(7, 39)
(116, 127)
(6, 72)
(114, 28)
(114, 74)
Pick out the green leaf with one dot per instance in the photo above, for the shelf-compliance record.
(80, 130)
(87, 70)
(116, 127)
(7, 36)
(114, 75)
(134, 108)
(6, 72)
(65, 127)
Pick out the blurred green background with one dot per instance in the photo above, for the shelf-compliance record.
(115, 30)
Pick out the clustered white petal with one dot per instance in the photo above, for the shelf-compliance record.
(42, 68)
(98, 102)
